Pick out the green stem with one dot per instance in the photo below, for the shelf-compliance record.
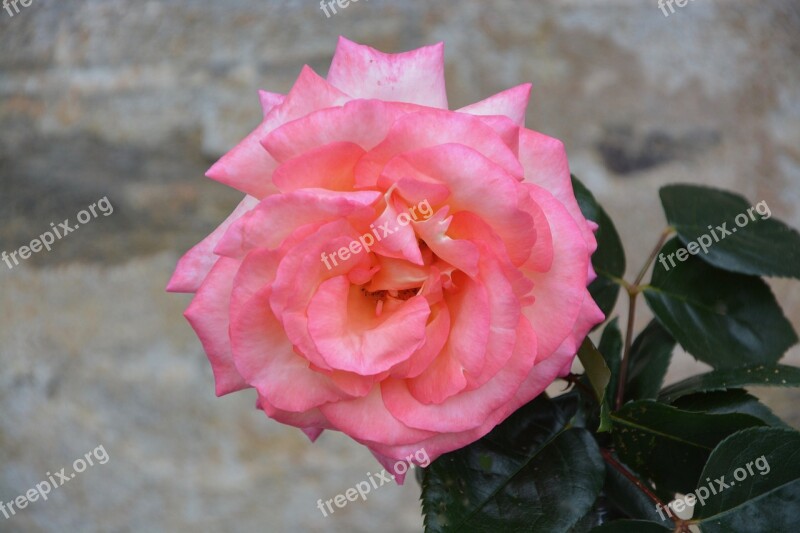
(680, 524)
(633, 290)
(623, 368)
(664, 236)
(574, 379)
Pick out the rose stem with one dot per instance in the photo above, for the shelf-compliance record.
(633, 291)
(680, 524)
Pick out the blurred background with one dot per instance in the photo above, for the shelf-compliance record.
(134, 100)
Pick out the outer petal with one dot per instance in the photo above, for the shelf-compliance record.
(553, 366)
(558, 293)
(542, 374)
(248, 167)
(366, 419)
(269, 101)
(506, 129)
(195, 265)
(361, 122)
(312, 422)
(416, 76)
(277, 216)
(545, 161)
(511, 103)
(208, 315)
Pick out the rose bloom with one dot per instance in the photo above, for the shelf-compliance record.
(468, 303)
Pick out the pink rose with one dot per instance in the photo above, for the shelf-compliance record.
(402, 273)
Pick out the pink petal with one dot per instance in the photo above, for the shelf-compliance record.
(313, 433)
(416, 192)
(398, 469)
(208, 315)
(465, 351)
(431, 128)
(364, 345)
(362, 122)
(266, 359)
(299, 275)
(541, 258)
(538, 379)
(416, 76)
(546, 165)
(462, 254)
(353, 384)
(506, 129)
(504, 311)
(550, 367)
(248, 167)
(467, 226)
(278, 216)
(393, 238)
(256, 271)
(269, 101)
(479, 186)
(511, 103)
(195, 265)
(366, 419)
(468, 409)
(326, 167)
(436, 335)
(308, 94)
(442, 379)
(558, 293)
(397, 274)
(311, 422)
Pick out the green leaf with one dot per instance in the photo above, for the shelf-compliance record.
(761, 375)
(601, 367)
(623, 494)
(595, 367)
(609, 258)
(748, 245)
(722, 318)
(575, 406)
(729, 401)
(646, 432)
(762, 468)
(596, 516)
(611, 349)
(649, 360)
(528, 474)
(631, 526)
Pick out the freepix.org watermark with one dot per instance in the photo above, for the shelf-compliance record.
(9, 4)
(664, 4)
(714, 487)
(363, 488)
(368, 240)
(48, 238)
(324, 5)
(705, 241)
(54, 481)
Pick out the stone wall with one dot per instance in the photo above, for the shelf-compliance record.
(134, 100)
